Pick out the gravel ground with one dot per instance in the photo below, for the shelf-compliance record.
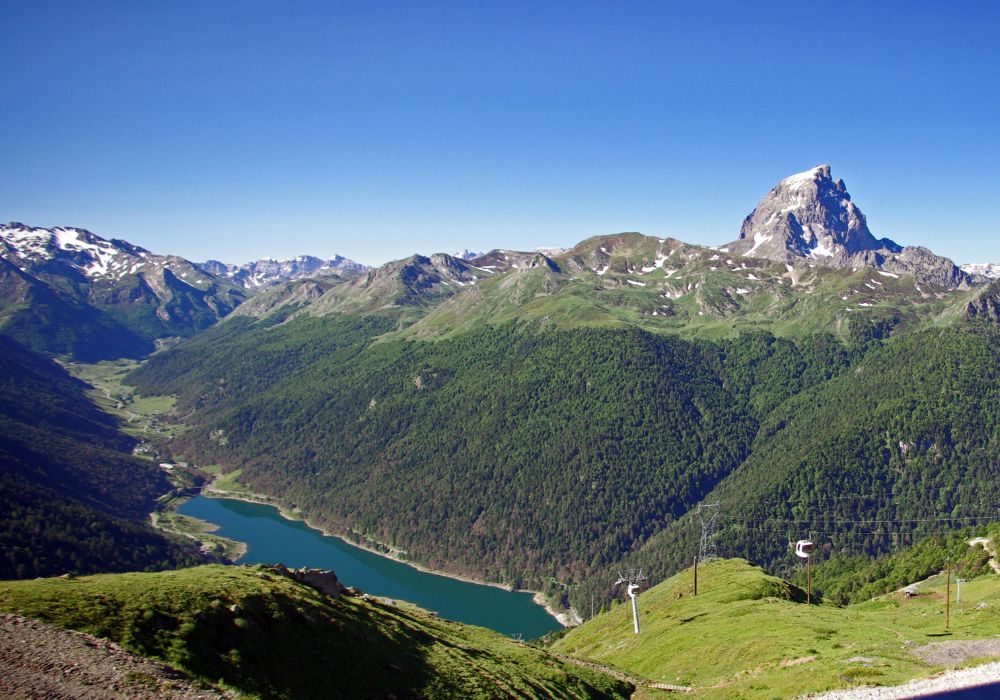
(957, 652)
(949, 680)
(38, 660)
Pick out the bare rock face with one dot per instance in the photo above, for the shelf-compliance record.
(987, 305)
(810, 216)
(323, 580)
(807, 215)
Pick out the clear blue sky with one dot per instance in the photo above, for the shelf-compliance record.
(238, 130)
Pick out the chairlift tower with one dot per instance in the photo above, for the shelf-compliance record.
(804, 550)
(633, 578)
(708, 515)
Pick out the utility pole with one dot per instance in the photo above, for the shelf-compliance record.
(809, 583)
(708, 515)
(947, 597)
(633, 578)
(804, 550)
(696, 574)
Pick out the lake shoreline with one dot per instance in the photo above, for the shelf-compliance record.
(566, 618)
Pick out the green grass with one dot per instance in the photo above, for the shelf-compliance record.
(748, 634)
(171, 521)
(142, 417)
(230, 482)
(255, 630)
(706, 297)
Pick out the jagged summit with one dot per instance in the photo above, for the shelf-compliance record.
(268, 272)
(809, 215)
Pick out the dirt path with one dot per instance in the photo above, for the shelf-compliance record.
(38, 660)
(637, 681)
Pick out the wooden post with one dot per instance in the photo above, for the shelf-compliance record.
(696, 574)
(809, 585)
(947, 597)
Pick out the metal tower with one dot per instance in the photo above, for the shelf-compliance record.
(633, 578)
(708, 514)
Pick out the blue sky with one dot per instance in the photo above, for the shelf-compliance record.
(239, 130)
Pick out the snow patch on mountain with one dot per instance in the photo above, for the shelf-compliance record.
(991, 270)
(268, 272)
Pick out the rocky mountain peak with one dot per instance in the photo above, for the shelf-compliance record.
(807, 215)
(811, 216)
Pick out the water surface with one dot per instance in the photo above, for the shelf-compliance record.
(270, 538)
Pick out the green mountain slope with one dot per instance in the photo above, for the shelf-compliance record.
(515, 452)
(65, 291)
(262, 633)
(631, 280)
(49, 320)
(537, 420)
(904, 443)
(72, 498)
(748, 634)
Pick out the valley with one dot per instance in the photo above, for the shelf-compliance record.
(535, 421)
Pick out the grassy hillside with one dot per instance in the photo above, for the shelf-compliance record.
(72, 498)
(747, 634)
(258, 631)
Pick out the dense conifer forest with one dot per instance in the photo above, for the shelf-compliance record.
(72, 498)
(542, 457)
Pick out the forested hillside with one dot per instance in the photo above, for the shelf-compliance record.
(904, 444)
(544, 420)
(72, 498)
(516, 453)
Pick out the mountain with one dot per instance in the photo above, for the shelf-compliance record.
(403, 289)
(72, 496)
(986, 305)
(549, 417)
(68, 291)
(466, 254)
(810, 216)
(267, 272)
(260, 631)
(990, 270)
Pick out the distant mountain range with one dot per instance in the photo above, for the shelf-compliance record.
(540, 417)
(268, 272)
(68, 291)
(991, 270)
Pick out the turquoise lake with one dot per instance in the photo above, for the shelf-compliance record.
(271, 538)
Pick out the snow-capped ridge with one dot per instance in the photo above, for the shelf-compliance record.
(268, 272)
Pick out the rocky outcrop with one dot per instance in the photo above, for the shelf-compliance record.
(323, 580)
(810, 216)
(986, 306)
